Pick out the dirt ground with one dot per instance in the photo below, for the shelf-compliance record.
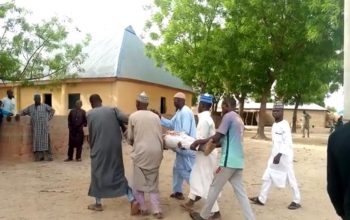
(58, 190)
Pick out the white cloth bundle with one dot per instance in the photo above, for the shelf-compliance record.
(171, 140)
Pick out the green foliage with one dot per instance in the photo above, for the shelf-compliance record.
(243, 47)
(332, 109)
(188, 32)
(35, 51)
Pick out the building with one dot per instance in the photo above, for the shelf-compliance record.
(117, 69)
(318, 114)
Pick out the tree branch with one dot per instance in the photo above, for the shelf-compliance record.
(31, 57)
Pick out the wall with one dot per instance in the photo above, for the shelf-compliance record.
(318, 118)
(127, 92)
(121, 93)
(16, 138)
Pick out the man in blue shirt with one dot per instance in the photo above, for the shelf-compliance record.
(230, 135)
(182, 121)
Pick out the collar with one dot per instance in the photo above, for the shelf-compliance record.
(204, 114)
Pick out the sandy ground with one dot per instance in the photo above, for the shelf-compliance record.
(58, 190)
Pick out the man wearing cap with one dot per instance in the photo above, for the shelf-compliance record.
(204, 167)
(145, 136)
(40, 115)
(279, 169)
(182, 121)
(230, 135)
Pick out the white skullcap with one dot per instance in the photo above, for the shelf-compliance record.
(143, 98)
(180, 95)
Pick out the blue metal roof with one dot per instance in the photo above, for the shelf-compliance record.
(123, 56)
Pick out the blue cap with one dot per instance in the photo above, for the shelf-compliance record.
(206, 98)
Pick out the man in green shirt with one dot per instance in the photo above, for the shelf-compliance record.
(230, 135)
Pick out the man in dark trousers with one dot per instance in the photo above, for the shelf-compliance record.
(76, 122)
(338, 176)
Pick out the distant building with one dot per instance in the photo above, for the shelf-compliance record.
(318, 114)
(117, 69)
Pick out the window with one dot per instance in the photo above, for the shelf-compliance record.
(48, 99)
(72, 98)
(162, 105)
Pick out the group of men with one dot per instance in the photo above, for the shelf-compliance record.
(197, 166)
(40, 114)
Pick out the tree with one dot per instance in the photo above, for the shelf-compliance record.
(30, 52)
(315, 68)
(184, 38)
(280, 39)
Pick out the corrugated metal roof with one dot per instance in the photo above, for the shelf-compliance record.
(124, 56)
(311, 106)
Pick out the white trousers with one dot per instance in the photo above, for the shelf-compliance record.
(292, 182)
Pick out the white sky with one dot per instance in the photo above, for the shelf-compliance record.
(96, 17)
(104, 17)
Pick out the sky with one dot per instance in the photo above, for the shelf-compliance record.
(105, 17)
(96, 17)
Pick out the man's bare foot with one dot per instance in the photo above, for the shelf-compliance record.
(134, 208)
(158, 215)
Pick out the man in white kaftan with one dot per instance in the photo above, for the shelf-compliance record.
(280, 168)
(204, 167)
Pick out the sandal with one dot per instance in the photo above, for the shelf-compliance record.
(294, 206)
(144, 212)
(158, 215)
(178, 196)
(188, 207)
(256, 201)
(196, 216)
(95, 207)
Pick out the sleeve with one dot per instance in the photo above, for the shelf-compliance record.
(185, 152)
(25, 111)
(84, 119)
(334, 188)
(121, 116)
(14, 107)
(186, 122)
(70, 120)
(202, 129)
(130, 138)
(89, 130)
(168, 123)
(224, 125)
(50, 110)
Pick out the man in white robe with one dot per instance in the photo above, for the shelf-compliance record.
(204, 167)
(279, 169)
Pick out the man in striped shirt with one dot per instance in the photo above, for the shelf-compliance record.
(40, 114)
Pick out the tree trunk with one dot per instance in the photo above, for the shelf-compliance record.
(215, 106)
(295, 116)
(241, 105)
(260, 134)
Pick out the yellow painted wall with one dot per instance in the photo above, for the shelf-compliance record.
(105, 89)
(128, 91)
(113, 93)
